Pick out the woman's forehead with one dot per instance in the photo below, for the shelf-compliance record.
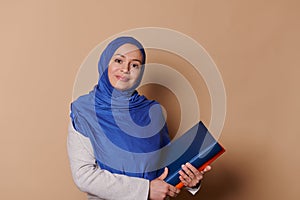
(129, 50)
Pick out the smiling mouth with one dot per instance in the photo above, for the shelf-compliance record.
(122, 78)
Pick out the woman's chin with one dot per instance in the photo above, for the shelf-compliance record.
(122, 88)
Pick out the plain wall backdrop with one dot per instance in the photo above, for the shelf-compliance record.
(255, 45)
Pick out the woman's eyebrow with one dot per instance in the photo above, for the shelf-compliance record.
(137, 60)
(117, 54)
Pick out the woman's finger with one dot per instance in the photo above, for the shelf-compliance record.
(188, 171)
(171, 193)
(174, 189)
(207, 168)
(183, 181)
(191, 168)
(185, 176)
(195, 171)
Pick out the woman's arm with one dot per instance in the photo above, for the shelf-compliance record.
(91, 179)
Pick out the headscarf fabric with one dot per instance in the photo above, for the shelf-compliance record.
(121, 123)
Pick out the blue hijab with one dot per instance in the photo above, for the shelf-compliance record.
(125, 129)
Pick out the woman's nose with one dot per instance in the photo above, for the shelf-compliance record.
(125, 67)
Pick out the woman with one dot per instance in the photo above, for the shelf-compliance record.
(113, 125)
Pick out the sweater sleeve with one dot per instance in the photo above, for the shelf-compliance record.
(96, 182)
(194, 190)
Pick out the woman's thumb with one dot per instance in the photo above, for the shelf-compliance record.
(164, 175)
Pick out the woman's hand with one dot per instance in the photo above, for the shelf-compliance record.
(190, 176)
(159, 189)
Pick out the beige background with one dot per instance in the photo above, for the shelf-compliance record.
(254, 43)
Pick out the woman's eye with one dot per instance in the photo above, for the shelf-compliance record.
(118, 60)
(135, 65)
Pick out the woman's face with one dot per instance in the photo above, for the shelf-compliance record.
(125, 67)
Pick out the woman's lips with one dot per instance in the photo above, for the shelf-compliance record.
(122, 78)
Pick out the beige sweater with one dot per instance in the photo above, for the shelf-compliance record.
(96, 182)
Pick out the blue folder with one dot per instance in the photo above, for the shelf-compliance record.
(200, 149)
